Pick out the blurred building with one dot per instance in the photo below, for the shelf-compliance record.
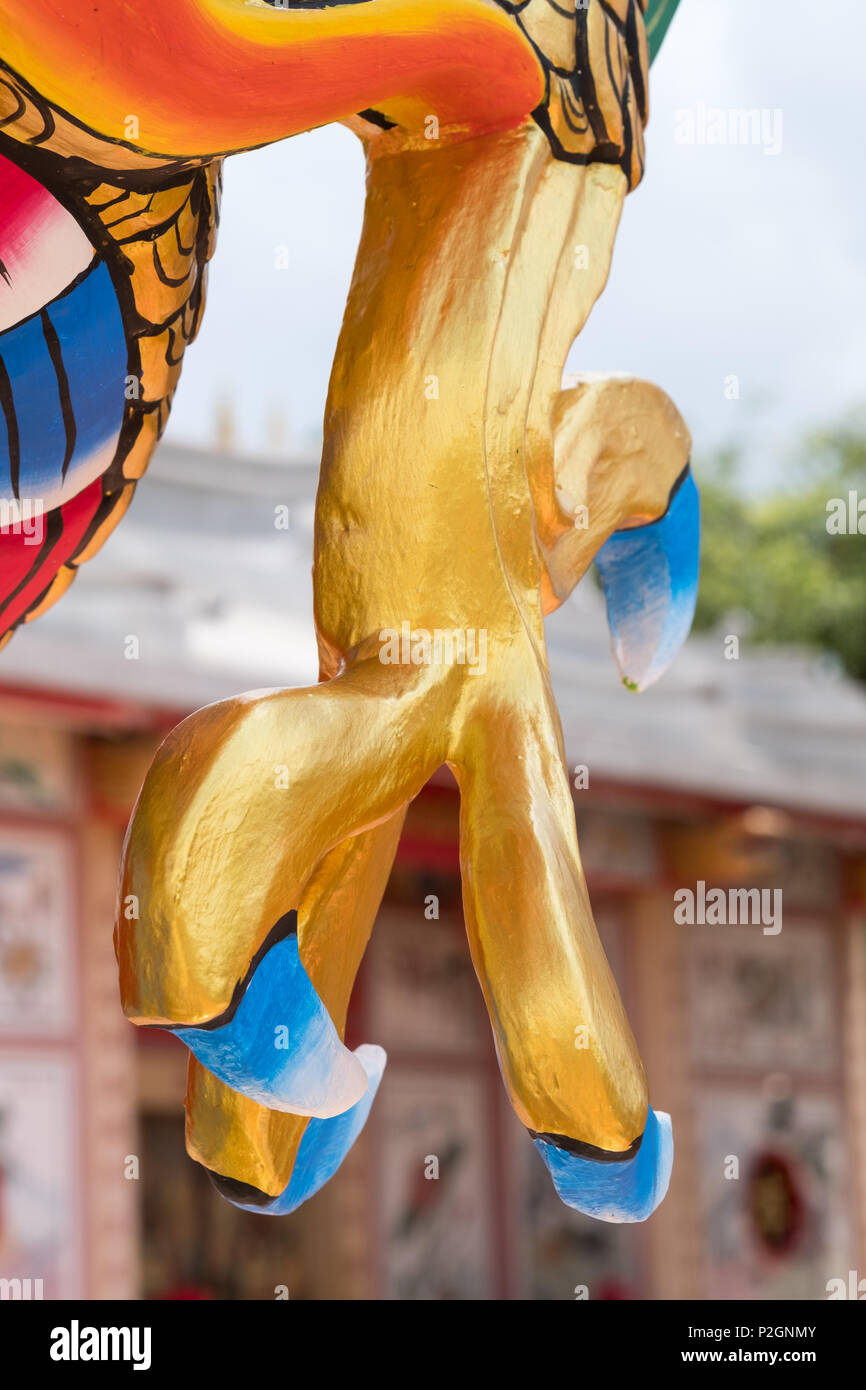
(747, 772)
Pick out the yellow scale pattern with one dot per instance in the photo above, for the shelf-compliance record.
(160, 231)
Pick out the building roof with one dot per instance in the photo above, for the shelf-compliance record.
(219, 599)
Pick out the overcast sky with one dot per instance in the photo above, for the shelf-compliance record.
(731, 261)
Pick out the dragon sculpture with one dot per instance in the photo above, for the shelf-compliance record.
(463, 494)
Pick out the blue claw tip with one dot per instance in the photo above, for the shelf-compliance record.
(621, 1191)
(325, 1143)
(649, 575)
(280, 1046)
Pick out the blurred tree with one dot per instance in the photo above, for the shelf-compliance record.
(774, 556)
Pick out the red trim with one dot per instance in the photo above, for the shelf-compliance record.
(112, 712)
(421, 853)
(647, 797)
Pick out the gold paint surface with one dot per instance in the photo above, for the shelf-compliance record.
(454, 469)
(451, 460)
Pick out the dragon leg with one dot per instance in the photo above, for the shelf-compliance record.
(566, 1051)
(215, 952)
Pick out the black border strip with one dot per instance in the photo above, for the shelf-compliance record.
(286, 926)
(52, 343)
(7, 404)
(588, 1151)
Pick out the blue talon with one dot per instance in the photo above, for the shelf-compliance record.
(649, 575)
(280, 1046)
(629, 1190)
(322, 1149)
